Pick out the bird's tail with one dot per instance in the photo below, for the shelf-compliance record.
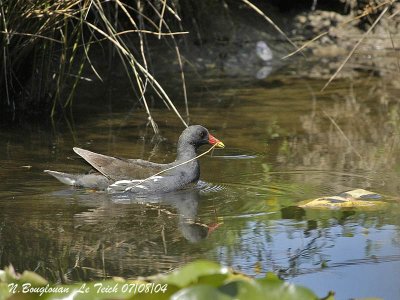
(69, 179)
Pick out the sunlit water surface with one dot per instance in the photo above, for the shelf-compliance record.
(285, 143)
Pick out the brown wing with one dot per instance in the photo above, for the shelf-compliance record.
(119, 168)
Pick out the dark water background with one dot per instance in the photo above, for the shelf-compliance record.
(285, 142)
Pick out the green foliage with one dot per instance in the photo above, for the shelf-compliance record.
(197, 280)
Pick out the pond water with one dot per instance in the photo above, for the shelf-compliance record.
(285, 142)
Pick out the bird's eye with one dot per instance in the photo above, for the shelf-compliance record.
(203, 134)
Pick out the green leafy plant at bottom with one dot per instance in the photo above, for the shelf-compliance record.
(197, 280)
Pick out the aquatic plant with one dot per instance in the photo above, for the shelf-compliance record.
(46, 48)
(196, 280)
(45, 45)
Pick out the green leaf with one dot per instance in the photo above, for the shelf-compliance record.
(33, 278)
(2, 276)
(170, 290)
(214, 280)
(243, 290)
(192, 272)
(270, 277)
(4, 291)
(200, 292)
(280, 290)
(95, 290)
(197, 280)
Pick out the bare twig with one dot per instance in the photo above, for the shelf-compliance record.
(161, 18)
(396, 52)
(260, 12)
(342, 134)
(178, 54)
(355, 48)
(151, 32)
(362, 15)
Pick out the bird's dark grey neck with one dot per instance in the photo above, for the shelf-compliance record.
(186, 151)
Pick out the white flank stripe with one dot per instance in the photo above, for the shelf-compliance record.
(140, 187)
(156, 178)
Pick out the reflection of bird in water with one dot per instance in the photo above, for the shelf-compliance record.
(186, 203)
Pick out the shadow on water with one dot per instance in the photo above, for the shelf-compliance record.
(286, 143)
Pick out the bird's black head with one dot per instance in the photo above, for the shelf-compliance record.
(197, 136)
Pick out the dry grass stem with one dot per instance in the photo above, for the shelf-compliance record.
(57, 29)
(260, 12)
(342, 134)
(355, 48)
(365, 13)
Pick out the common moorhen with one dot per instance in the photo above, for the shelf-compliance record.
(140, 176)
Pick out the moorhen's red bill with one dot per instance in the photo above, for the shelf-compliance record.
(118, 174)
